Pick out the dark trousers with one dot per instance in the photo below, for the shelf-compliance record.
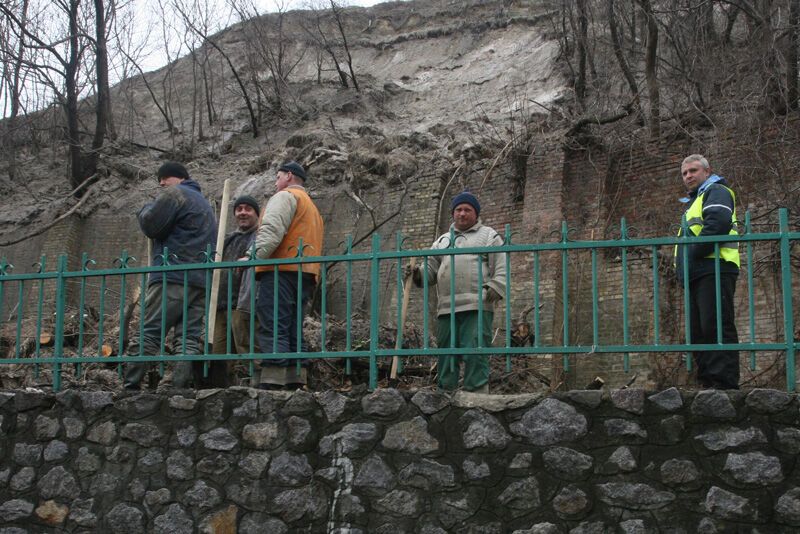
(288, 302)
(717, 369)
(188, 341)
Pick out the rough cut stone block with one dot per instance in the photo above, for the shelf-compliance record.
(221, 522)
(788, 440)
(258, 523)
(430, 402)
(731, 438)
(494, 403)
(103, 433)
(521, 496)
(676, 472)
(145, 435)
(426, 475)
(620, 461)
(788, 507)
(375, 475)
(353, 439)
(290, 469)
(309, 503)
(586, 397)
(93, 401)
(550, 422)
(55, 451)
(623, 428)
(299, 431)
(23, 479)
(540, 528)
(452, 508)
(333, 404)
(300, 403)
(475, 469)
(125, 519)
(186, 436)
(768, 400)
(201, 496)
(726, 505)
(571, 503)
(261, 436)
(713, 404)
(179, 466)
(219, 439)
(410, 436)
(139, 406)
(634, 496)
(399, 503)
(80, 511)
(483, 431)
(58, 482)
(754, 468)
(178, 402)
(28, 454)
(175, 521)
(631, 400)
(15, 509)
(30, 398)
(383, 402)
(86, 461)
(158, 497)
(45, 428)
(567, 463)
(668, 400)
(254, 464)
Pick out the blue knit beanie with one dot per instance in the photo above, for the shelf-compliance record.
(465, 197)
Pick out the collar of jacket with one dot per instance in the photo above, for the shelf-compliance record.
(711, 180)
(190, 184)
(474, 228)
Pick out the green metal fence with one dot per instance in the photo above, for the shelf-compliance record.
(51, 289)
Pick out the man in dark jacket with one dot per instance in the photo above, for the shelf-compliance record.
(182, 225)
(711, 211)
(237, 246)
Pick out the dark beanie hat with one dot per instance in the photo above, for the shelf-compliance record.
(294, 168)
(250, 201)
(172, 169)
(465, 197)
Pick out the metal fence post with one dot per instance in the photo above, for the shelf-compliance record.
(786, 288)
(373, 311)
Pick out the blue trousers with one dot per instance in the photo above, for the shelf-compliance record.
(290, 301)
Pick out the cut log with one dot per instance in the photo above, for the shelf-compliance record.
(106, 350)
(46, 339)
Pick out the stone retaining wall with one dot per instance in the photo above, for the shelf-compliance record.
(243, 460)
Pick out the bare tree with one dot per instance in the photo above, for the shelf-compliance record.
(320, 34)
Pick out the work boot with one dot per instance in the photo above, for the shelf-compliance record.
(483, 390)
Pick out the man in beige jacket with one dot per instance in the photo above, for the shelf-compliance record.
(470, 294)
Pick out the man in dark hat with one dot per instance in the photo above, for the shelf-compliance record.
(289, 217)
(465, 316)
(181, 224)
(237, 246)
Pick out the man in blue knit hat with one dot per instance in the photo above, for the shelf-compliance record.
(473, 298)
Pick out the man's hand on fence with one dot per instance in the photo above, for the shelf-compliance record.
(490, 295)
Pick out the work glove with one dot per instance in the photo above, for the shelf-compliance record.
(490, 295)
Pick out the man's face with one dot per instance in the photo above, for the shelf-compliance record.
(464, 217)
(246, 217)
(169, 181)
(694, 174)
(282, 180)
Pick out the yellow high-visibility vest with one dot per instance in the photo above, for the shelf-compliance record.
(694, 220)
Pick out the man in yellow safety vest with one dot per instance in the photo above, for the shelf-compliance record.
(711, 211)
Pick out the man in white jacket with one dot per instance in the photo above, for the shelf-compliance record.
(470, 294)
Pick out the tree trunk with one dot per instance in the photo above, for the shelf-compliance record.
(650, 67)
(583, 29)
(71, 106)
(791, 55)
(15, 93)
(102, 106)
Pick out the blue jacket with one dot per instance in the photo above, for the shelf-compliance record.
(182, 220)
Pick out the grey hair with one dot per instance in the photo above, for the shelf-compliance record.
(696, 157)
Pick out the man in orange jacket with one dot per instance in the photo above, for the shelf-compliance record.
(289, 216)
